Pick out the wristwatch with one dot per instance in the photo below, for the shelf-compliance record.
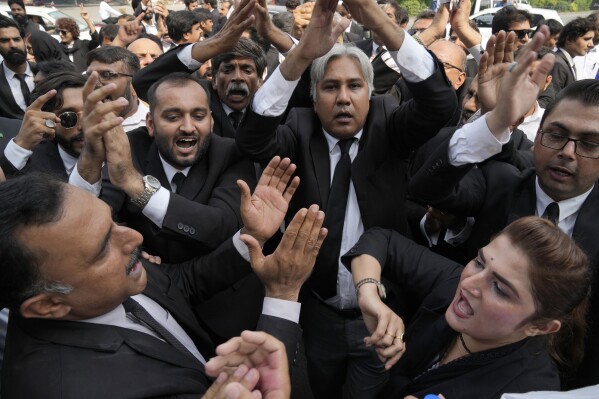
(151, 185)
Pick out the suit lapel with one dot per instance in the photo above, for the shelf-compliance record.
(196, 178)
(319, 150)
(154, 167)
(525, 201)
(6, 94)
(586, 224)
(220, 116)
(563, 57)
(48, 159)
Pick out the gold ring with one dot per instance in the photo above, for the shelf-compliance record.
(400, 337)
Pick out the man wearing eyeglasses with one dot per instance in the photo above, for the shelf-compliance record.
(562, 185)
(117, 65)
(50, 139)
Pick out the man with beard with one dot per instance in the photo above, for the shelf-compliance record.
(190, 202)
(148, 20)
(50, 139)
(117, 65)
(17, 10)
(16, 74)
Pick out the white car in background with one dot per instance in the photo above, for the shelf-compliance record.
(47, 16)
(483, 17)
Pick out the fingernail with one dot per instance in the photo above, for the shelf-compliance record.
(251, 375)
(241, 370)
(221, 377)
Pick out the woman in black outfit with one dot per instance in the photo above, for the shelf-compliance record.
(75, 49)
(501, 324)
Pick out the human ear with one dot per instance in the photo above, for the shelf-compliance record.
(44, 306)
(543, 328)
(150, 124)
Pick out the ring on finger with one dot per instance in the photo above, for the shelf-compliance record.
(511, 66)
(400, 337)
(50, 123)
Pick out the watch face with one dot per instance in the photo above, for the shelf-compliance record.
(152, 182)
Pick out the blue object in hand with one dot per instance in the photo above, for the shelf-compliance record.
(431, 396)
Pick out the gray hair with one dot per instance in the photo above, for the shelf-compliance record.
(320, 65)
(55, 287)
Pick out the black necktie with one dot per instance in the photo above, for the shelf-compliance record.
(328, 258)
(235, 117)
(138, 311)
(178, 179)
(24, 88)
(552, 213)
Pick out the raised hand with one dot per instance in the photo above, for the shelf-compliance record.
(284, 272)
(83, 12)
(128, 32)
(261, 352)
(519, 87)
(493, 65)
(369, 14)
(263, 212)
(37, 125)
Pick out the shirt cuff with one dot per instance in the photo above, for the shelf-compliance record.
(474, 143)
(17, 155)
(287, 310)
(76, 180)
(432, 239)
(272, 98)
(186, 59)
(241, 247)
(455, 238)
(155, 209)
(415, 63)
(476, 52)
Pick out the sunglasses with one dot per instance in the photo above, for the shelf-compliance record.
(62, 32)
(522, 33)
(68, 119)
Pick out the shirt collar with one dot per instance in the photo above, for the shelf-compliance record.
(567, 207)
(568, 57)
(228, 109)
(68, 160)
(332, 141)
(170, 170)
(11, 74)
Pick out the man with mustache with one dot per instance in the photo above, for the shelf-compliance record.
(50, 139)
(16, 74)
(19, 14)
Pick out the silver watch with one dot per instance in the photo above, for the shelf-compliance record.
(151, 185)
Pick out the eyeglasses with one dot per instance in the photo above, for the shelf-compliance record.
(68, 119)
(107, 76)
(557, 141)
(522, 33)
(412, 31)
(62, 32)
(447, 65)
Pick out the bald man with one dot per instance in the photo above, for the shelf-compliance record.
(146, 50)
(454, 61)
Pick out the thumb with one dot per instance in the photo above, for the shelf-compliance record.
(256, 256)
(246, 196)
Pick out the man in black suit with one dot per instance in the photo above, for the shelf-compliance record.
(19, 14)
(16, 74)
(182, 193)
(562, 186)
(50, 139)
(576, 39)
(90, 319)
(380, 136)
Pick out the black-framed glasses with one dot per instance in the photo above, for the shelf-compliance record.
(107, 76)
(447, 65)
(522, 33)
(412, 31)
(557, 141)
(62, 32)
(68, 119)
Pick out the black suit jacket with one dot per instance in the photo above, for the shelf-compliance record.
(206, 211)
(497, 194)
(389, 135)
(9, 128)
(430, 282)
(8, 106)
(384, 77)
(562, 73)
(45, 159)
(68, 359)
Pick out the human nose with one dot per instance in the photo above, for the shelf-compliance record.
(187, 124)
(146, 60)
(569, 149)
(129, 239)
(237, 76)
(343, 95)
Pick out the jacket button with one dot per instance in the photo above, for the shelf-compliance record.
(180, 226)
(186, 229)
(192, 231)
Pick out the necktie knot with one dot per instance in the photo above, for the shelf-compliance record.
(552, 213)
(178, 180)
(235, 117)
(345, 145)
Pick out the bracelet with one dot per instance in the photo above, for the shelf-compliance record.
(380, 287)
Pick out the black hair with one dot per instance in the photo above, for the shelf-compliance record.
(574, 29)
(508, 15)
(176, 79)
(244, 48)
(57, 81)
(181, 22)
(585, 91)
(6, 22)
(109, 31)
(112, 54)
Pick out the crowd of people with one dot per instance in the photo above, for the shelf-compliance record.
(322, 203)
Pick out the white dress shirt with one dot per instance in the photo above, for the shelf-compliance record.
(106, 11)
(15, 84)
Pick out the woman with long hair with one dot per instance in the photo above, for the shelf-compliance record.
(505, 322)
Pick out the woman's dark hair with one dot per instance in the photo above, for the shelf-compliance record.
(68, 24)
(560, 279)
